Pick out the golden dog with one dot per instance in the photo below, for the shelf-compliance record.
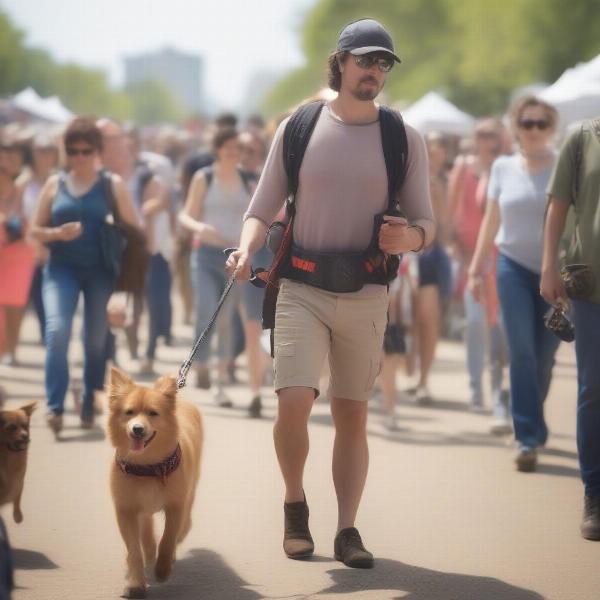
(14, 441)
(158, 442)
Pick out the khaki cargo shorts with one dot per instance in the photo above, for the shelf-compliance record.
(311, 323)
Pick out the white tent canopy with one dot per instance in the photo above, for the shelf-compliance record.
(576, 93)
(48, 109)
(434, 113)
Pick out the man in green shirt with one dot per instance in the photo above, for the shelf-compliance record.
(576, 183)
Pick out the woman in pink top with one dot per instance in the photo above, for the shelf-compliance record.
(16, 256)
(466, 207)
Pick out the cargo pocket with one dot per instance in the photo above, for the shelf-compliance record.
(285, 349)
(375, 360)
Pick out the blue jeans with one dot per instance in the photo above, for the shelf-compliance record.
(531, 348)
(478, 335)
(209, 279)
(158, 297)
(61, 287)
(35, 296)
(587, 334)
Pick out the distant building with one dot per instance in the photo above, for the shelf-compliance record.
(182, 73)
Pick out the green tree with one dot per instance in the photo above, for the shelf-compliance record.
(83, 90)
(473, 52)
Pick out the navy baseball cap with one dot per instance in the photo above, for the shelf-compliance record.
(364, 36)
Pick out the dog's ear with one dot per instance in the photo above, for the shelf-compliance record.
(29, 408)
(167, 386)
(120, 384)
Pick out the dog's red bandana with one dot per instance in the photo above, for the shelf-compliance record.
(161, 470)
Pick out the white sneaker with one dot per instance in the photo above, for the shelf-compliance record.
(423, 396)
(222, 399)
(389, 422)
(501, 420)
(146, 367)
(500, 426)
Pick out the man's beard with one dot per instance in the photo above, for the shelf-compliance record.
(366, 94)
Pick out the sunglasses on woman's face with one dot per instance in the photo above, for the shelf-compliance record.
(529, 124)
(366, 61)
(83, 151)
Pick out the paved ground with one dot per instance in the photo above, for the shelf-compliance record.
(444, 511)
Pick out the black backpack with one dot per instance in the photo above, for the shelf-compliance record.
(298, 131)
(248, 178)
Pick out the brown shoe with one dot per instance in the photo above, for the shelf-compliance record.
(348, 548)
(526, 459)
(297, 541)
(55, 422)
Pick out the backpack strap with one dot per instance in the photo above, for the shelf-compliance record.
(296, 136)
(395, 152)
(208, 173)
(109, 195)
(248, 179)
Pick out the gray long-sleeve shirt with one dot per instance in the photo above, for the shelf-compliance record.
(342, 185)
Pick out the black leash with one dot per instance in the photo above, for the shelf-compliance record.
(186, 366)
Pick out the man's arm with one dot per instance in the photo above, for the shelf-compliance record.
(417, 231)
(551, 284)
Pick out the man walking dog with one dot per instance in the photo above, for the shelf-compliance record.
(360, 199)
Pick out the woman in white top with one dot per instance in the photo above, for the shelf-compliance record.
(514, 220)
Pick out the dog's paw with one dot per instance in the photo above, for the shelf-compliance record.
(162, 570)
(138, 591)
(17, 516)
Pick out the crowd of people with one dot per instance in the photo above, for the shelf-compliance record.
(188, 195)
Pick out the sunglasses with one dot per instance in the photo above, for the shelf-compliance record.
(529, 124)
(82, 151)
(366, 61)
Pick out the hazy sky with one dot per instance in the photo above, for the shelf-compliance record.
(235, 37)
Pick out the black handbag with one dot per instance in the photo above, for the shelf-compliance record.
(112, 244)
(123, 247)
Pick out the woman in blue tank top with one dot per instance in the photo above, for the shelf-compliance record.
(71, 211)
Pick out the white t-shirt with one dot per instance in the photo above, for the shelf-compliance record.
(522, 199)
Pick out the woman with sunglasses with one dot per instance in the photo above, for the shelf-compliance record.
(514, 219)
(71, 210)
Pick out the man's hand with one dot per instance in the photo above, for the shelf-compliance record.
(395, 237)
(239, 263)
(552, 288)
(69, 231)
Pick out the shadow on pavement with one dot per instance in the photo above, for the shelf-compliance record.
(92, 435)
(416, 583)
(29, 560)
(203, 574)
(559, 452)
(559, 470)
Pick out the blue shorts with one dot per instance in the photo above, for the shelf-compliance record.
(435, 269)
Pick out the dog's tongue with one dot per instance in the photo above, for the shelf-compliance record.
(137, 444)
